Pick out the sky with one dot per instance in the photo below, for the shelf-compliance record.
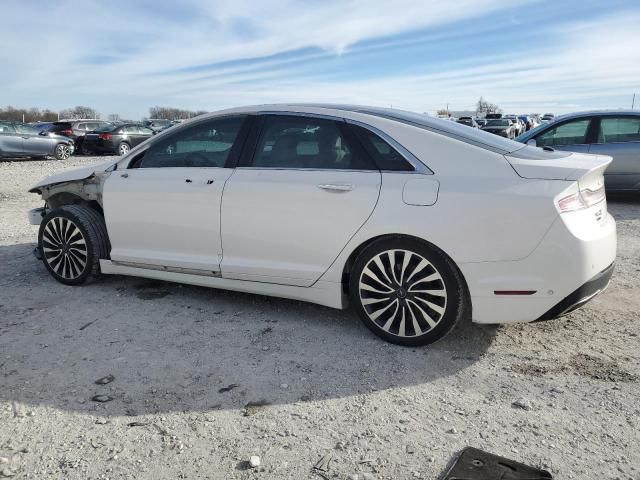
(126, 56)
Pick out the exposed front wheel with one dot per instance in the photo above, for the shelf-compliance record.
(62, 151)
(407, 291)
(123, 149)
(72, 239)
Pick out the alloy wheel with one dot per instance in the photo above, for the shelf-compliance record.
(64, 248)
(63, 152)
(402, 293)
(123, 149)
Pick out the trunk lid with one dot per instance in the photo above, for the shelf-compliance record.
(536, 163)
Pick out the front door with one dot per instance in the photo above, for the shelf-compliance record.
(10, 141)
(164, 209)
(291, 207)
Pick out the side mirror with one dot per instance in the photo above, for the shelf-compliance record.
(532, 142)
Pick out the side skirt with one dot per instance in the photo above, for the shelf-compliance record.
(322, 292)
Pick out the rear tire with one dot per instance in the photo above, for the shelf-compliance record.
(407, 291)
(123, 149)
(62, 151)
(72, 240)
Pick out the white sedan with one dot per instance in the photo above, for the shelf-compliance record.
(414, 221)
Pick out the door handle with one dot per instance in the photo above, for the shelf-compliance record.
(344, 187)
(124, 175)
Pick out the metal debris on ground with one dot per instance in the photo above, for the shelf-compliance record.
(476, 464)
(324, 462)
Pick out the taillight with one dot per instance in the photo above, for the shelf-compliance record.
(68, 131)
(105, 136)
(583, 198)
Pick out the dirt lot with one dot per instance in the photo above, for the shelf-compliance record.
(204, 379)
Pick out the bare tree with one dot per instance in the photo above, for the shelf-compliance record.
(171, 113)
(484, 107)
(32, 114)
(80, 113)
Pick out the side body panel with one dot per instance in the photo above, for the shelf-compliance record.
(165, 216)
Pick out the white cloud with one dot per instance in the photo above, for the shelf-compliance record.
(46, 56)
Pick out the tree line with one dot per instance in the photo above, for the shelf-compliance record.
(80, 112)
(482, 108)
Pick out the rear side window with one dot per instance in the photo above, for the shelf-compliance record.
(384, 155)
(207, 144)
(4, 128)
(570, 133)
(298, 142)
(619, 130)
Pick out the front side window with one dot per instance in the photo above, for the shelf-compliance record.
(6, 128)
(619, 130)
(207, 144)
(570, 133)
(305, 143)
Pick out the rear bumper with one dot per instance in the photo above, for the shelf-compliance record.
(101, 147)
(582, 295)
(568, 265)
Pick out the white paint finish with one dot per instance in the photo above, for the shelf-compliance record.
(155, 216)
(279, 227)
(571, 167)
(420, 191)
(322, 293)
(285, 226)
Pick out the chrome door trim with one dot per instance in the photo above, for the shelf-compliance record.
(164, 268)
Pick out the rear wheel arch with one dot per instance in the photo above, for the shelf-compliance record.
(346, 270)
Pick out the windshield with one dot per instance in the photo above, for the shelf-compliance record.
(498, 123)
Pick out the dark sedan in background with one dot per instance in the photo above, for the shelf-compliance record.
(76, 130)
(613, 133)
(500, 126)
(22, 140)
(118, 139)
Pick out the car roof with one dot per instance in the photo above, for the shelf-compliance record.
(359, 113)
(593, 113)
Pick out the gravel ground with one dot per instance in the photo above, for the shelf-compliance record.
(205, 379)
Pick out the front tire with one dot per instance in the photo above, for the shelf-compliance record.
(62, 151)
(407, 291)
(72, 240)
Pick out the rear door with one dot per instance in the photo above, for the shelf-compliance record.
(164, 209)
(570, 135)
(619, 137)
(300, 194)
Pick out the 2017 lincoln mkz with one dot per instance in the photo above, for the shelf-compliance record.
(415, 222)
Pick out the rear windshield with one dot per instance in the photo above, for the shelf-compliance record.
(498, 123)
(105, 128)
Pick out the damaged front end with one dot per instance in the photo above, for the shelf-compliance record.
(80, 186)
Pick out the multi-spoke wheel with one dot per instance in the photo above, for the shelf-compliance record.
(72, 240)
(407, 291)
(123, 149)
(62, 151)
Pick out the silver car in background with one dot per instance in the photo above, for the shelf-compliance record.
(21, 140)
(615, 133)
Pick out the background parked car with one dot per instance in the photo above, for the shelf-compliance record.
(493, 116)
(517, 124)
(22, 140)
(547, 117)
(527, 120)
(614, 133)
(481, 122)
(158, 125)
(76, 130)
(118, 139)
(468, 121)
(501, 126)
